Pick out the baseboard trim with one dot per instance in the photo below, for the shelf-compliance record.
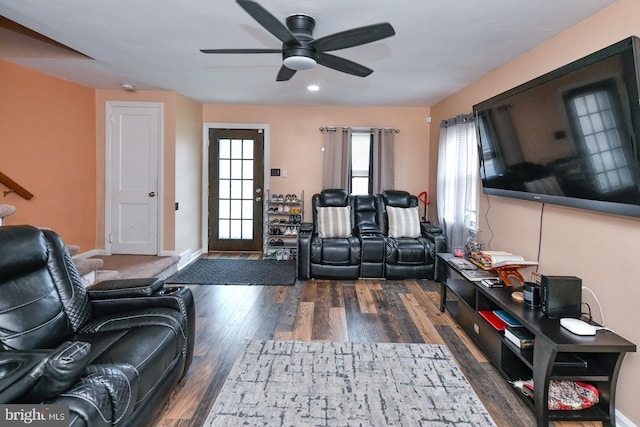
(187, 257)
(623, 421)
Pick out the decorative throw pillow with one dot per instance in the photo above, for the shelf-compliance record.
(403, 222)
(334, 221)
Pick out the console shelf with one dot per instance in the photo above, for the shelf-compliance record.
(602, 354)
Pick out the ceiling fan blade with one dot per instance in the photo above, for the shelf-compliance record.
(269, 22)
(285, 74)
(241, 50)
(354, 37)
(344, 65)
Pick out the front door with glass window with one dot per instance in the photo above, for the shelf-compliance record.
(236, 171)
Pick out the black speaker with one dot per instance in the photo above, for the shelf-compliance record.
(561, 296)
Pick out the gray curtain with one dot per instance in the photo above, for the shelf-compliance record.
(337, 158)
(382, 167)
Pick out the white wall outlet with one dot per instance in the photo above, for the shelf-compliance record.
(476, 328)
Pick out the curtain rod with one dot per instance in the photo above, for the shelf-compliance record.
(333, 128)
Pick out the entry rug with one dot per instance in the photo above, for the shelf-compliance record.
(294, 383)
(233, 271)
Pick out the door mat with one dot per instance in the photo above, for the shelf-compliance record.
(227, 271)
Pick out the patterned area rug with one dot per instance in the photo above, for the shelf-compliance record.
(294, 383)
(232, 271)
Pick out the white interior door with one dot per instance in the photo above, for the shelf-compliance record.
(133, 145)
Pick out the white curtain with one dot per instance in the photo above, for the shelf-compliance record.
(458, 178)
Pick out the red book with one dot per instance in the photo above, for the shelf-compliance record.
(493, 319)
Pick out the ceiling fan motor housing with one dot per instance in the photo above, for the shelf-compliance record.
(302, 56)
(301, 25)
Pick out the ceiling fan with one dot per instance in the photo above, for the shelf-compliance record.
(300, 51)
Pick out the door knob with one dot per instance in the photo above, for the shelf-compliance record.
(152, 194)
(258, 199)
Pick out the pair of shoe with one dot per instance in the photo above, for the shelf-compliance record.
(277, 198)
(291, 198)
(274, 242)
(291, 231)
(295, 219)
(281, 255)
(275, 231)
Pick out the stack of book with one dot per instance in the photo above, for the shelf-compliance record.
(521, 337)
(493, 259)
(499, 319)
(513, 330)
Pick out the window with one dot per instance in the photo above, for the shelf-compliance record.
(361, 160)
(235, 205)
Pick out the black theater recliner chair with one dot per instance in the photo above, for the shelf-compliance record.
(411, 246)
(328, 247)
(112, 353)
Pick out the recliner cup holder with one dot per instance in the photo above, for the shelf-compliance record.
(7, 367)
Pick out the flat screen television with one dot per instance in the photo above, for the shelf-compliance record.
(569, 137)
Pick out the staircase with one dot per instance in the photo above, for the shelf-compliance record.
(6, 210)
(89, 268)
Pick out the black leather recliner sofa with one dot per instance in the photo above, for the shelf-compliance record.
(368, 250)
(112, 353)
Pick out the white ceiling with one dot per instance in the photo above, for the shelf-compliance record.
(439, 46)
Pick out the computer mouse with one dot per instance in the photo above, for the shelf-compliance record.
(578, 327)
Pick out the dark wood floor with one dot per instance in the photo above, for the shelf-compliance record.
(358, 311)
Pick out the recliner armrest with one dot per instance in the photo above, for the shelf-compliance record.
(429, 228)
(306, 227)
(125, 288)
(441, 245)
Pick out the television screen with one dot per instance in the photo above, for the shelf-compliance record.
(568, 137)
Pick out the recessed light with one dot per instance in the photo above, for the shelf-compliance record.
(313, 88)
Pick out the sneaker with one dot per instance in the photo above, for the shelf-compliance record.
(280, 198)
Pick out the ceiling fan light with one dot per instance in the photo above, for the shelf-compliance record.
(299, 63)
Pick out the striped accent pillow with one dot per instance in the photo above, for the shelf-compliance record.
(403, 222)
(334, 221)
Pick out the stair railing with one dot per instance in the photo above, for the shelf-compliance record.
(14, 187)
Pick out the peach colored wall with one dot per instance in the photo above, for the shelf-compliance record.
(47, 145)
(168, 158)
(599, 248)
(188, 180)
(296, 142)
